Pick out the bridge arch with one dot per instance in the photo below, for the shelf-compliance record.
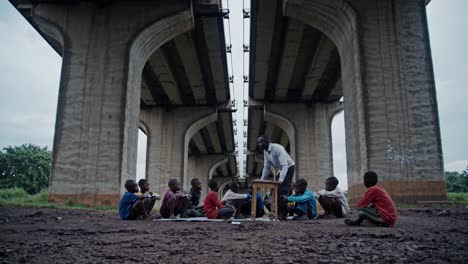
(194, 128)
(143, 45)
(338, 21)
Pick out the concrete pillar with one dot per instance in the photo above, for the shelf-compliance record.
(403, 142)
(390, 106)
(311, 143)
(167, 144)
(104, 48)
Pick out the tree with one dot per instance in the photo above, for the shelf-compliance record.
(457, 182)
(26, 166)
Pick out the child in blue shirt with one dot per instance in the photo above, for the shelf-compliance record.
(247, 204)
(132, 206)
(305, 206)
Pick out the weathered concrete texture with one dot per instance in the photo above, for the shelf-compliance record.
(404, 192)
(403, 142)
(391, 116)
(96, 129)
(311, 138)
(166, 143)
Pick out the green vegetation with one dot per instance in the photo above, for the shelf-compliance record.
(457, 182)
(459, 198)
(26, 166)
(18, 197)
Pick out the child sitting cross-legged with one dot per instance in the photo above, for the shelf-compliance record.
(174, 203)
(304, 201)
(213, 208)
(131, 206)
(194, 209)
(233, 198)
(376, 206)
(150, 198)
(247, 204)
(332, 200)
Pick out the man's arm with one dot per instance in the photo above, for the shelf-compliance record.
(266, 166)
(283, 160)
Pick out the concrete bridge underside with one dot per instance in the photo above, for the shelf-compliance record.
(306, 55)
(161, 66)
(155, 65)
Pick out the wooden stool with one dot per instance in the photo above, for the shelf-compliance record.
(273, 186)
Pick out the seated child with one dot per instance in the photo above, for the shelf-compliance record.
(150, 198)
(304, 201)
(376, 205)
(233, 198)
(247, 204)
(131, 206)
(213, 208)
(174, 202)
(332, 200)
(194, 210)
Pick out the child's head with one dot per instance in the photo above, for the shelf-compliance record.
(370, 179)
(196, 184)
(331, 183)
(233, 186)
(174, 185)
(300, 186)
(213, 185)
(144, 185)
(131, 186)
(249, 187)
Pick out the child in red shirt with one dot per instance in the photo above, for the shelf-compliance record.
(213, 208)
(376, 205)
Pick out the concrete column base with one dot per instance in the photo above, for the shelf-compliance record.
(404, 192)
(111, 200)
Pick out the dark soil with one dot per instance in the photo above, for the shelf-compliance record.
(76, 236)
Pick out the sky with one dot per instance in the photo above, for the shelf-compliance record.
(30, 74)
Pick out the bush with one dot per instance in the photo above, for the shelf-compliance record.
(26, 166)
(13, 194)
(457, 182)
(458, 197)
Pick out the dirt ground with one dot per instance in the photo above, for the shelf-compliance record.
(76, 236)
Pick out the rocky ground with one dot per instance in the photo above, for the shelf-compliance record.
(77, 236)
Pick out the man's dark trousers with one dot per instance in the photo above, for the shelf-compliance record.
(284, 190)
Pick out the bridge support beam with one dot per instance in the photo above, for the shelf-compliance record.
(96, 131)
(403, 135)
(390, 105)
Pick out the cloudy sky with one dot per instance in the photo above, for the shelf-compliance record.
(30, 72)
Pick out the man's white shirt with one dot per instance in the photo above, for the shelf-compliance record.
(277, 156)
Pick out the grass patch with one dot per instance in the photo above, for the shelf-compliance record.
(17, 197)
(459, 198)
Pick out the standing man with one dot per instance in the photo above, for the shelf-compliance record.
(276, 155)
